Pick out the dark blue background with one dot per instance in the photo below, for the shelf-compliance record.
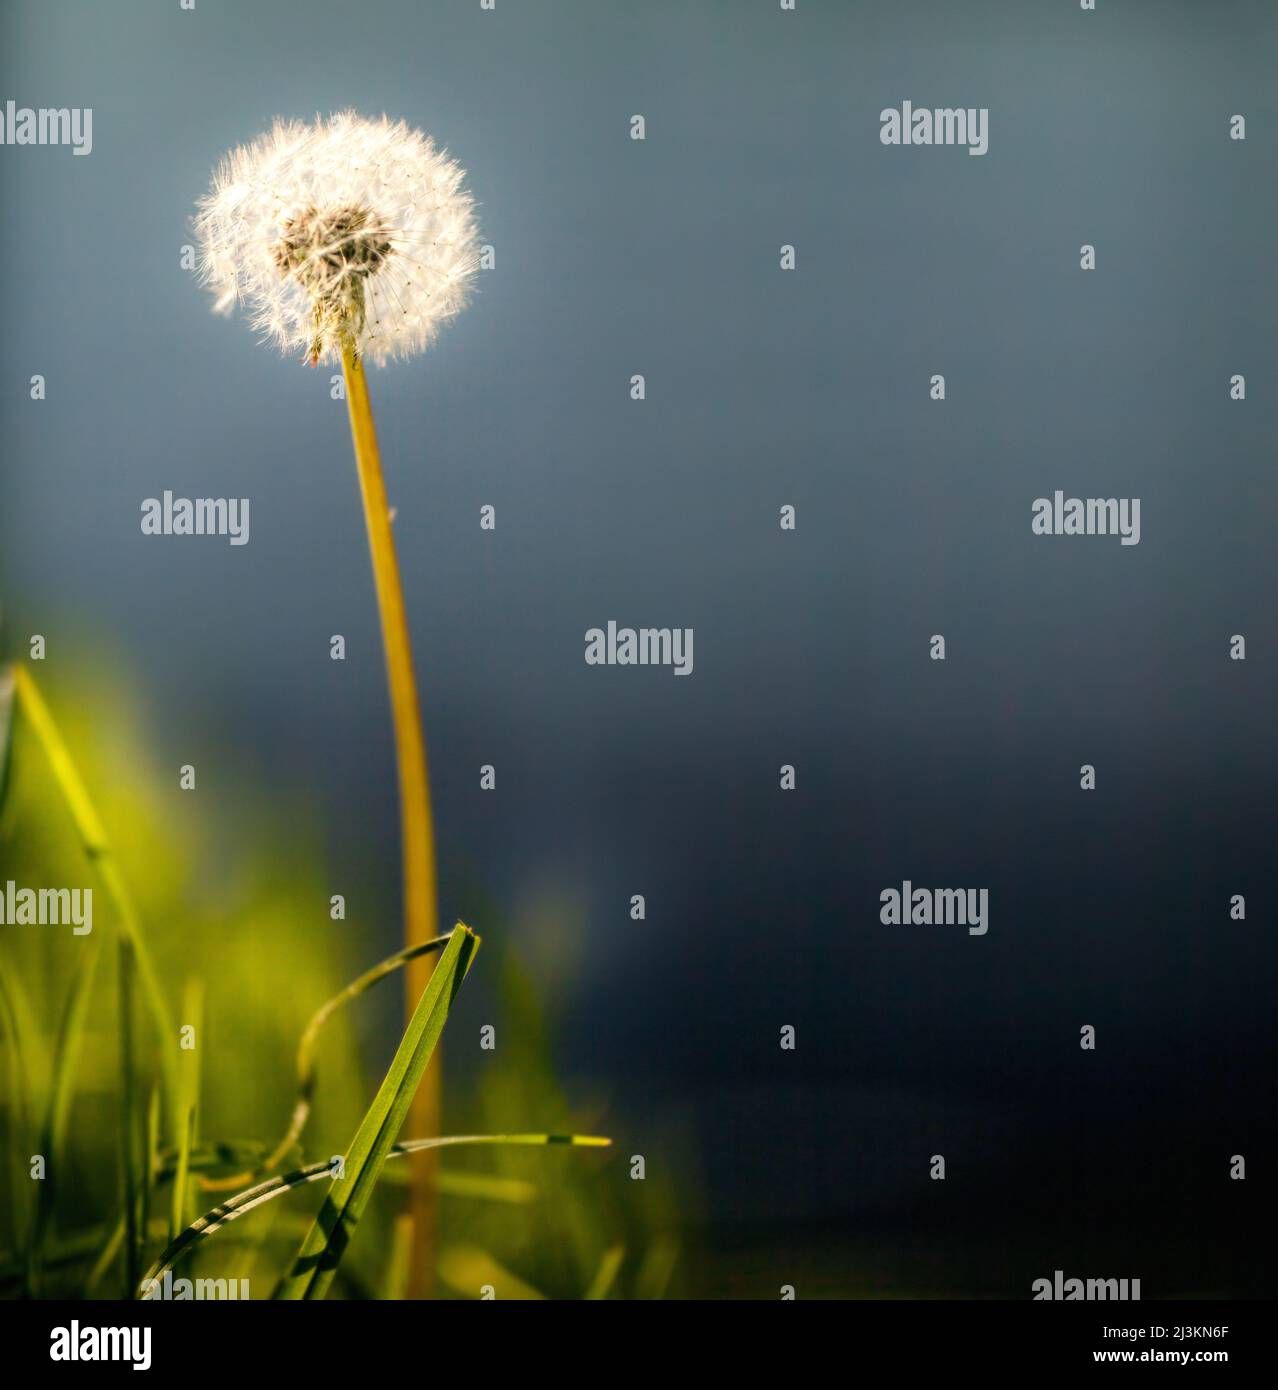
(615, 257)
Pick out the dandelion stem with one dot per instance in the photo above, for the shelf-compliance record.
(416, 824)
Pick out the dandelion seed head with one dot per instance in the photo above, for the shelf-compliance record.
(347, 229)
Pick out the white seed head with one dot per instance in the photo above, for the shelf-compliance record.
(346, 231)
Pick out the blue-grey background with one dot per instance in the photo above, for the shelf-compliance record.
(615, 257)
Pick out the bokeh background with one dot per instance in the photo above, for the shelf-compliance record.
(660, 257)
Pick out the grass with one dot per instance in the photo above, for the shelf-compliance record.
(132, 958)
(257, 1196)
(125, 1136)
(326, 1241)
(306, 1058)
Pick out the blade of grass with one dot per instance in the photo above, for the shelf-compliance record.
(20, 1135)
(257, 1248)
(324, 1246)
(53, 1129)
(106, 1258)
(128, 1121)
(7, 686)
(657, 1268)
(101, 855)
(244, 1202)
(188, 1101)
(150, 1171)
(306, 1062)
(16, 1028)
(606, 1275)
(28, 1045)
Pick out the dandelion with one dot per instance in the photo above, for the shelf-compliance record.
(345, 240)
(348, 231)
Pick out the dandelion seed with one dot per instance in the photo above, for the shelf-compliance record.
(345, 231)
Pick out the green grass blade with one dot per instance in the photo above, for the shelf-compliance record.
(150, 1171)
(326, 1243)
(16, 1028)
(657, 1267)
(53, 1130)
(606, 1275)
(188, 1102)
(106, 1258)
(7, 686)
(101, 855)
(306, 1064)
(244, 1202)
(306, 1060)
(20, 1099)
(129, 1166)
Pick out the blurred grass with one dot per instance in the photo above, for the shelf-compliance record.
(242, 957)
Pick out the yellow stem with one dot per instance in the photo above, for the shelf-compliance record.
(416, 825)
